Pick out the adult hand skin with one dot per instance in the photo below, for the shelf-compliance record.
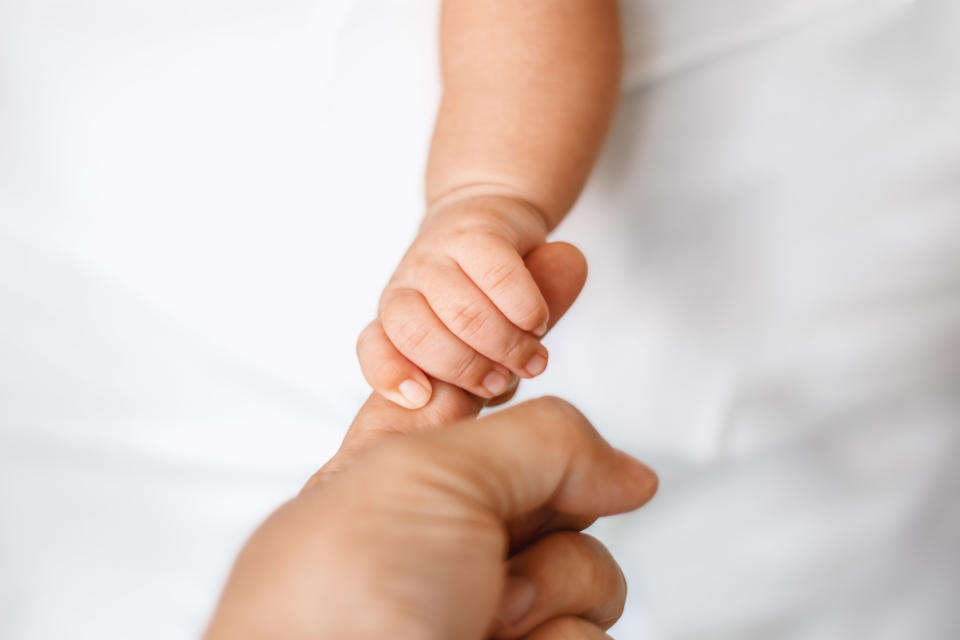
(469, 531)
(413, 538)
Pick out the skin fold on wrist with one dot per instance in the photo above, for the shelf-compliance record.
(482, 209)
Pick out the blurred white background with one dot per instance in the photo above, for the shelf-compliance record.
(200, 202)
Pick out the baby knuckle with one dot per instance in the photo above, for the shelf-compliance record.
(513, 348)
(464, 366)
(470, 319)
(498, 277)
(390, 302)
(417, 265)
(409, 336)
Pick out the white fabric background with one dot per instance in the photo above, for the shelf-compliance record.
(199, 202)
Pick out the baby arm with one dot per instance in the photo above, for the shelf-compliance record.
(530, 87)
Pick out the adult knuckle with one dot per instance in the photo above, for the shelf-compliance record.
(562, 424)
(560, 412)
(584, 557)
(606, 580)
(579, 554)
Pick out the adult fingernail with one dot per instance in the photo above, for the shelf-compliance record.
(535, 365)
(516, 601)
(495, 382)
(415, 394)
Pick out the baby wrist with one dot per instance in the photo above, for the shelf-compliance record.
(481, 203)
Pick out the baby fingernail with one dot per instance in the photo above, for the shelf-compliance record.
(415, 394)
(535, 365)
(495, 382)
(517, 600)
(541, 330)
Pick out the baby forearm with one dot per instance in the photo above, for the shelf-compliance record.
(529, 90)
(530, 87)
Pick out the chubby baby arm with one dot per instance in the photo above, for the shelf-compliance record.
(530, 88)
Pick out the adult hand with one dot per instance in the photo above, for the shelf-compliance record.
(428, 536)
(381, 529)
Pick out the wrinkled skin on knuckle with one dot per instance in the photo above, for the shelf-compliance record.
(463, 370)
(498, 277)
(470, 319)
(513, 348)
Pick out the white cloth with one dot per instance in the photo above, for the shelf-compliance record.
(199, 202)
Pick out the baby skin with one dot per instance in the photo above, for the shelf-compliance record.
(529, 89)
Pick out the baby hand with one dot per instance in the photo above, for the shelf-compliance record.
(461, 306)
